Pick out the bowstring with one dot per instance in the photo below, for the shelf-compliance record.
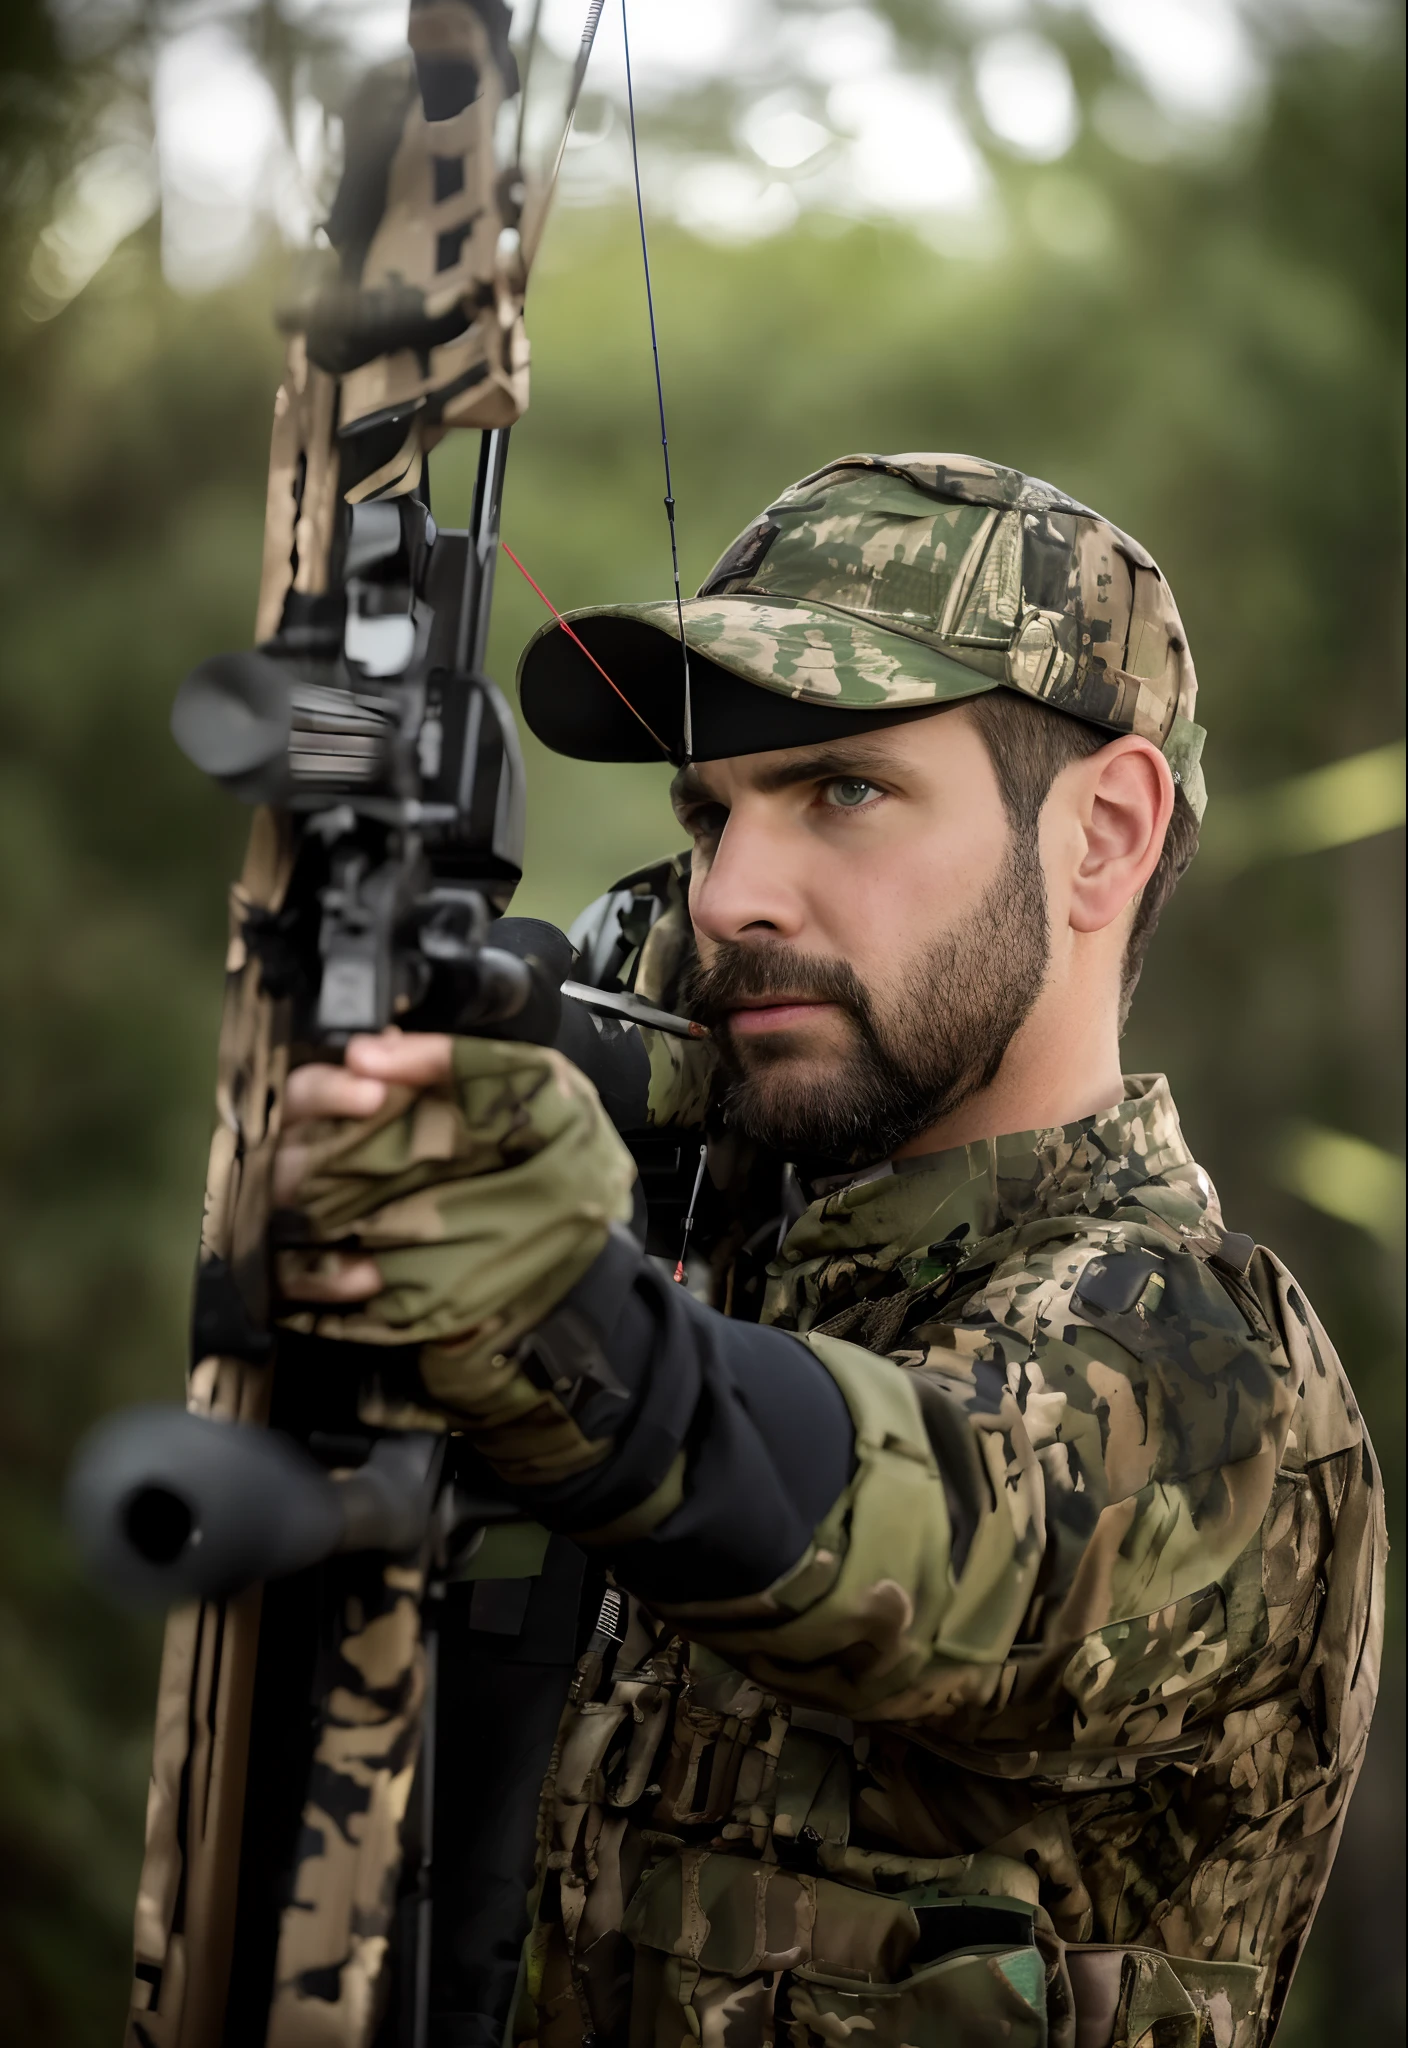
(687, 726)
(687, 729)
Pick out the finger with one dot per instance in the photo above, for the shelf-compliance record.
(323, 1091)
(290, 1165)
(331, 1277)
(414, 1059)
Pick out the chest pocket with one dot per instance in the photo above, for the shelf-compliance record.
(728, 1949)
(741, 1763)
(721, 1766)
(814, 1773)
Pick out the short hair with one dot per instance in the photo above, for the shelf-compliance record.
(1029, 744)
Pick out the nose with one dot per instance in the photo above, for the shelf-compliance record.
(748, 888)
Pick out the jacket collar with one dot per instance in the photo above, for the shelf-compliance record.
(1133, 1152)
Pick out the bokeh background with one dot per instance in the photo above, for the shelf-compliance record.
(1150, 249)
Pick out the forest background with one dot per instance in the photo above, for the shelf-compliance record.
(1150, 249)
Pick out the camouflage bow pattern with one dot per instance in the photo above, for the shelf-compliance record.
(278, 1899)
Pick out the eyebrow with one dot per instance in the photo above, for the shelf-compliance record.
(847, 757)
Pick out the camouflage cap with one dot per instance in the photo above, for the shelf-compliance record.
(885, 584)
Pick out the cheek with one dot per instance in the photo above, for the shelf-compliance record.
(863, 905)
(705, 947)
(879, 902)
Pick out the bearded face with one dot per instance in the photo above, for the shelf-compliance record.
(898, 1055)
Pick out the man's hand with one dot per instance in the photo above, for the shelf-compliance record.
(441, 1192)
(320, 1094)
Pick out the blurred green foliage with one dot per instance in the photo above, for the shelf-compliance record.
(1216, 367)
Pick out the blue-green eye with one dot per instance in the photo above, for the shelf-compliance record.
(849, 793)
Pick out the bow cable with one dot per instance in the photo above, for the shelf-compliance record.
(687, 728)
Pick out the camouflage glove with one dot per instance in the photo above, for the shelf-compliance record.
(483, 1201)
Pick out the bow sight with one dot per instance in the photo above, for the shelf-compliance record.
(367, 718)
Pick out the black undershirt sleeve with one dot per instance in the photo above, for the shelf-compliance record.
(764, 1429)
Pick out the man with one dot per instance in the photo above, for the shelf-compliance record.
(1006, 1559)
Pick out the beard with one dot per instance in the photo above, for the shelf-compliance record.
(915, 1052)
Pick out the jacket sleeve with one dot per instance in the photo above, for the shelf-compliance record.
(1091, 1445)
(698, 1454)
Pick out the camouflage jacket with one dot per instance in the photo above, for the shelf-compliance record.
(1048, 1737)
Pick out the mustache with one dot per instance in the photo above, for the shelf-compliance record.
(769, 972)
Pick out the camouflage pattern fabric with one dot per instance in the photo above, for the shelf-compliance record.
(185, 1898)
(483, 1201)
(889, 581)
(419, 312)
(1093, 1636)
(463, 249)
(639, 936)
(682, 1072)
(330, 1969)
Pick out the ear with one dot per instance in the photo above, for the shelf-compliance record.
(1124, 800)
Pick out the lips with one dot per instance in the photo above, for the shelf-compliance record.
(777, 1001)
(747, 991)
(755, 1014)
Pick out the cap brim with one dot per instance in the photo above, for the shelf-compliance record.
(812, 673)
